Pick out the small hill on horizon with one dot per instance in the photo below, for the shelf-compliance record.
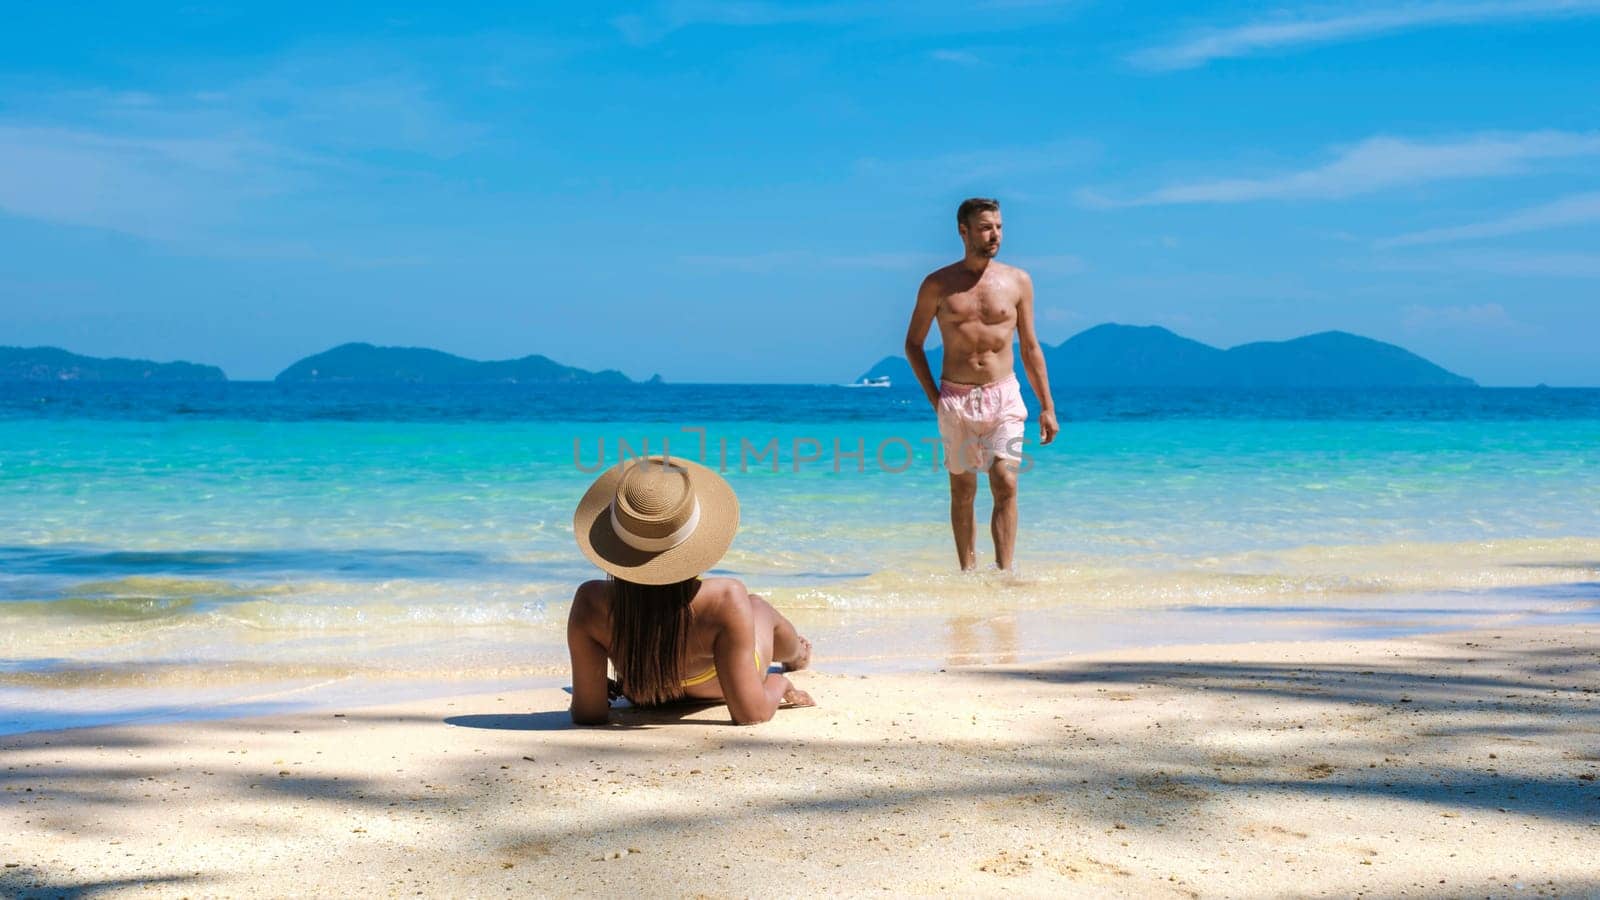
(369, 364)
(1113, 355)
(56, 364)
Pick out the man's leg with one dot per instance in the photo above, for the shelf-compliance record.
(1003, 523)
(963, 491)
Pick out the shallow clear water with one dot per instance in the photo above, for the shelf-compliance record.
(173, 550)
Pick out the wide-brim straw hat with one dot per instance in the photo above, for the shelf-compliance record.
(656, 520)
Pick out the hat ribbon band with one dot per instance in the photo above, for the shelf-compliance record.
(666, 542)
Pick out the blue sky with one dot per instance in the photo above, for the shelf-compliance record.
(751, 191)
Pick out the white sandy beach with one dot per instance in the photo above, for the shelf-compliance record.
(1452, 765)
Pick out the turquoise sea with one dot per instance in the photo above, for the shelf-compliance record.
(199, 550)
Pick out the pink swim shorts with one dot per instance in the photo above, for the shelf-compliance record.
(981, 422)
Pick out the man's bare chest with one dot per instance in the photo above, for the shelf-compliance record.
(991, 306)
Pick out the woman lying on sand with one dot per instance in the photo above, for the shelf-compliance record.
(655, 527)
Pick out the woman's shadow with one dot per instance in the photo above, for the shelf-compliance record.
(553, 720)
(561, 719)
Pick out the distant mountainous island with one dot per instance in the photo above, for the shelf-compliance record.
(367, 364)
(1113, 355)
(1107, 355)
(55, 364)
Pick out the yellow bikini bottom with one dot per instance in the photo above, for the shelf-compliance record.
(711, 673)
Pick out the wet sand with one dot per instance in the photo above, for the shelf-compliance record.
(1446, 765)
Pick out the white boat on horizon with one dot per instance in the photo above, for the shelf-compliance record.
(882, 381)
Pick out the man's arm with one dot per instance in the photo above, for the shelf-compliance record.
(917, 335)
(1033, 362)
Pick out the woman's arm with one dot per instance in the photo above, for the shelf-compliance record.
(752, 695)
(590, 703)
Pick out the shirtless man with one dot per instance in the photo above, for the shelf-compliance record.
(981, 305)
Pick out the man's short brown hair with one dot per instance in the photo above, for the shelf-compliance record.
(973, 205)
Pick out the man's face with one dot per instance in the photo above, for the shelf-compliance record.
(982, 234)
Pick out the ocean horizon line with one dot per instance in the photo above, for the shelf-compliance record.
(1055, 388)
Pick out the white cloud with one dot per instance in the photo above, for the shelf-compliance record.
(1473, 317)
(183, 165)
(1532, 264)
(959, 57)
(1518, 264)
(1376, 164)
(1578, 209)
(152, 187)
(1310, 28)
(317, 103)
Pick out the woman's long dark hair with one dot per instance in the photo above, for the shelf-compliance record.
(649, 633)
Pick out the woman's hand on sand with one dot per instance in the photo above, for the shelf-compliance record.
(796, 697)
(802, 658)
